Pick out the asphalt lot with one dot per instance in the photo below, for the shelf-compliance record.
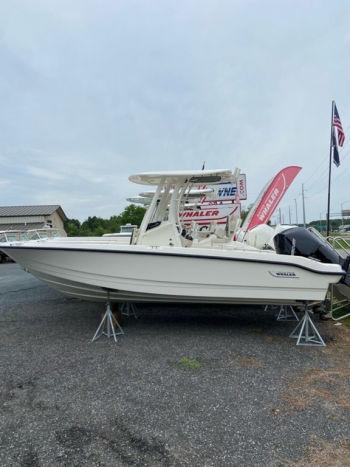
(251, 398)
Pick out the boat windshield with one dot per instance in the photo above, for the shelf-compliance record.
(32, 234)
(128, 228)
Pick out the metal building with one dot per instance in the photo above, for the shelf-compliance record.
(31, 217)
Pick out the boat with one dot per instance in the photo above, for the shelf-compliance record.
(125, 234)
(46, 232)
(164, 263)
(7, 236)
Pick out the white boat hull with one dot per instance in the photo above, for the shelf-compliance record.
(166, 274)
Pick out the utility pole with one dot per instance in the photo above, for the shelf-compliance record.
(303, 196)
(296, 211)
(290, 216)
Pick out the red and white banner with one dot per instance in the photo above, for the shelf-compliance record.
(270, 197)
(221, 204)
(218, 213)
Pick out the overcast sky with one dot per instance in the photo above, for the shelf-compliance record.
(93, 91)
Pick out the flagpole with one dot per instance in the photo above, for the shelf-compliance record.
(330, 172)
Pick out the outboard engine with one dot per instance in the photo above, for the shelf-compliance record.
(302, 242)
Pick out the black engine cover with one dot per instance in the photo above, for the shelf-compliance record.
(306, 243)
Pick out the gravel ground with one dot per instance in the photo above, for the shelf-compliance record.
(250, 397)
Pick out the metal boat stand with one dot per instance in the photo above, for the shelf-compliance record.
(287, 313)
(267, 307)
(306, 332)
(129, 309)
(108, 324)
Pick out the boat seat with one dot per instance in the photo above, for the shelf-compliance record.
(207, 242)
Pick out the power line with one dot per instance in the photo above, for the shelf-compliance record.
(317, 181)
(324, 182)
(323, 166)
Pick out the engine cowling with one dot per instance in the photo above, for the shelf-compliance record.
(302, 242)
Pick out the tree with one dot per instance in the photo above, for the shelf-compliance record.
(93, 223)
(245, 212)
(95, 226)
(72, 227)
(132, 215)
(114, 224)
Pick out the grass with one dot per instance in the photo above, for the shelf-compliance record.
(341, 243)
(347, 322)
(190, 363)
(341, 312)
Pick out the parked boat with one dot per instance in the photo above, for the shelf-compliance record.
(165, 264)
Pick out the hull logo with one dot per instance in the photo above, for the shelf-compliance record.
(284, 274)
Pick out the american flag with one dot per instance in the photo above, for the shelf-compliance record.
(337, 124)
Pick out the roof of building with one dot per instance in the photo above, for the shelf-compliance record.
(27, 226)
(41, 210)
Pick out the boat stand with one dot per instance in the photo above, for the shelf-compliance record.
(129, 309)
(306, 332)
(272, 307)
(287, 313)
(108, 324)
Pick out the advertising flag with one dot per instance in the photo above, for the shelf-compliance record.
(270, 197)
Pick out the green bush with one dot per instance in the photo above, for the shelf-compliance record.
(97, 226)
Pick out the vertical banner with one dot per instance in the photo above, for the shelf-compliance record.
(270, 197)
